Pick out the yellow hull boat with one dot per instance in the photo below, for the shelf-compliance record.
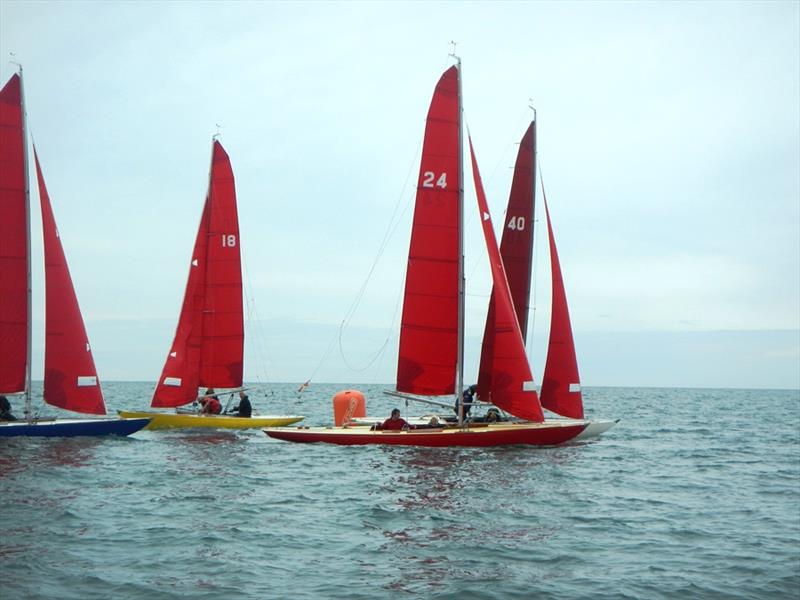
(191, 421)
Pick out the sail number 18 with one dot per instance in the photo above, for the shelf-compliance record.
(228, 240)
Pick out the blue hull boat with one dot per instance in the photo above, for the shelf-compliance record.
(72, 427)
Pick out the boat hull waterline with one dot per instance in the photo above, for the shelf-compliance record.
(184, 421)
(496, 434)
(72, 427)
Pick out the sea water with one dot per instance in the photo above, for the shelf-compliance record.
(694, 494)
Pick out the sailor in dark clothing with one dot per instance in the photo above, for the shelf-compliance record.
(244, 409)
(5, 410)
(466, 398)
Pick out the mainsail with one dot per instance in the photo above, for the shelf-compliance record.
(429, 329)
(14, 241)
(561, 388)
(70, 377)
(505, 377)
(208, 347)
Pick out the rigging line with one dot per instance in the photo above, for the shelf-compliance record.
(259, 344)
(392, 225)
(536, 237)
(324, 356)
(390, 229)
(481, 258)
(394, 222)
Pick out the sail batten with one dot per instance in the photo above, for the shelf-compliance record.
(70, 377)
(14, 242)
(208, 348)
(429, 330)
(505, 376)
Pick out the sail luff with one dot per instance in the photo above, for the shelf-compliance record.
(561, 389)
(508, 382)
(70, 376)
(429, 331)
(15, 344)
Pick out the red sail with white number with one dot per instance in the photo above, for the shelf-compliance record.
(505, 377)
(516, 246)
(208, 348)
(70, 377)
(429, 329)
(13, 241)
(561, 388)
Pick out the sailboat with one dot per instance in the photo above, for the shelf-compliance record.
(208, 348)
(430, 358)
(70, 377)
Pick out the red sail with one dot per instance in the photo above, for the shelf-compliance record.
(516, 245)
(209, 341)
(505, 377)
(13, 241)
(429, 329)
(70, 378)
(561, 389)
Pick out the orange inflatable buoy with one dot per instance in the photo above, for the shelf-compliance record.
(348, 404)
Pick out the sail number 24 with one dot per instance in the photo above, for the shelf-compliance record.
(428, 178)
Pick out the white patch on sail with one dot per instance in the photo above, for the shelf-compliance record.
(173, 381)
(88, 348)
(174, 354)
(486, 216)
(194, 262)
(574, 387)
(528, 386)
(87, 381)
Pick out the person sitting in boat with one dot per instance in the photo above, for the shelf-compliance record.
(5, 410)
(395, 422)
(210, 403)
(465, 398)
(244, 409)
(493, 416)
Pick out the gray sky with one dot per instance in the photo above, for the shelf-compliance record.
(669, 139)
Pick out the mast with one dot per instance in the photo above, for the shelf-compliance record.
(28, 357)
(461, 283)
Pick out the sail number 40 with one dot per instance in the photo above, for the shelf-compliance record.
(516, 223)
(428, 178)
(228, 240)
